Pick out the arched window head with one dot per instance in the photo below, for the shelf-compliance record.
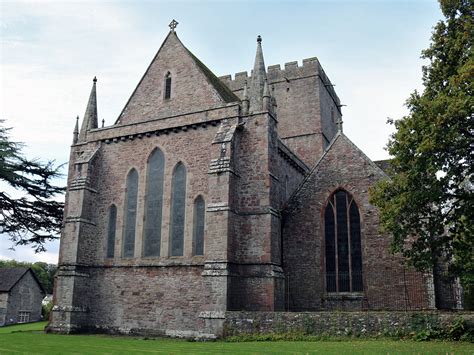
(343, 245)
(178, 209)
(154, 203)
(111, 226)
(131, 196)
(198, 225)
(168, 85)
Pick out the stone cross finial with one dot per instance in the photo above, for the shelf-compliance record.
(173, 24)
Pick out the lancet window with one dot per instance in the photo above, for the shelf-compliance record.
(178, 208)
(342, 244)
(154, 204)
(112, 222)
(131, 195)
(168, 85)
(198, 225)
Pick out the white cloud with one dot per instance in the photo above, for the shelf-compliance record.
(50, 51)
(26, 253)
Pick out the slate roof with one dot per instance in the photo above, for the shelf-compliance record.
(218, 85)
(10, 276)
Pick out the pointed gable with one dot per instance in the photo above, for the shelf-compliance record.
(175, 82)
(344, 165)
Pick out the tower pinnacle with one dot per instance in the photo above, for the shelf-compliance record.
(90, 117)
(259, 76)
(75, 133)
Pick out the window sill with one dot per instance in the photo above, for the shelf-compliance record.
(344, 296)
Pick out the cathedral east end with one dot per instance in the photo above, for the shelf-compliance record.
(214, 195)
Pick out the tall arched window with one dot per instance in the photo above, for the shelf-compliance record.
(131, 195)
(198, 225)
(111, 231)
(343, 245)
(154, 204)
(168, 85)
(178, 208)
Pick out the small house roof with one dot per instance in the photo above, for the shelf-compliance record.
(10, 276)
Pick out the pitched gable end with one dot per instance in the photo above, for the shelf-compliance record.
(176, 82)
(342, 164)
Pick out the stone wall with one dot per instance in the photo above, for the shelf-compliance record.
(305, 98)
(338, 323)
(166, 300)
(25, 296)
(3, 307)
(386, 283)
(190, 88)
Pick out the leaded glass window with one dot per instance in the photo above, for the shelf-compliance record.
(198, 225)
(154, 204)
(342, 244)
(111, 231)
(178, 208)
(131, 195)
(168, 86)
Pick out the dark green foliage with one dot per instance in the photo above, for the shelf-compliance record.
(428, 204)
(43, 271)
(33, 218)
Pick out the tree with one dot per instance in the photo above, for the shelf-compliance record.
(428, 205)
(35, 217)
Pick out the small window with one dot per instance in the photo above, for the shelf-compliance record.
(23, 317)
(111, 231)
(198, 226)
(168, 86)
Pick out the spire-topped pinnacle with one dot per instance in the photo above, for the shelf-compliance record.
(259, 76)
(90, 120)
(75, 133)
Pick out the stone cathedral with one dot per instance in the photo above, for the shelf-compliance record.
(212, 195)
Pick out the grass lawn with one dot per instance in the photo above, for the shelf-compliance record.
(30, 339)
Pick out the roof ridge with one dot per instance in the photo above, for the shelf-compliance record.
(221, 88)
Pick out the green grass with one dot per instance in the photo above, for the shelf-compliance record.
(38, 326)
(29, 339)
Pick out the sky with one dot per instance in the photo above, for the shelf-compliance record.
(51, 50)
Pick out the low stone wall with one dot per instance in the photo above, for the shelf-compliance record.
(339, 323)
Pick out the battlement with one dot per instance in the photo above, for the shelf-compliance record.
(291, 71)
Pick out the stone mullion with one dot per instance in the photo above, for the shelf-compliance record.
(336, 246)
(349, 255)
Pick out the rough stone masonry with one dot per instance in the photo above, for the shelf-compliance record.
(210, 195)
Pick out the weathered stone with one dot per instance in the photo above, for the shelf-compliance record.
(264, 177)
